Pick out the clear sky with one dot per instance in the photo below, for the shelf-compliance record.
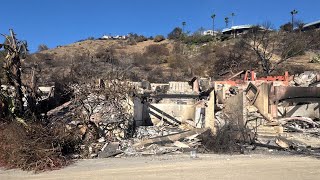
(61, 22)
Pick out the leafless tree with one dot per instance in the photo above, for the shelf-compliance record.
(274, 48)
(42, 47)
(110, 100)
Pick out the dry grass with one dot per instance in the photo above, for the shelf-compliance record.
(217, 59)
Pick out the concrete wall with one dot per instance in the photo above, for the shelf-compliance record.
(155, 85)
(179, 87)
(153, 113)
(209, 116)
(141, 113)
(199, 117)
(234, 109)
(262, 101)
(221, 92)
(306, 110)
(180, 112)
(138, 111)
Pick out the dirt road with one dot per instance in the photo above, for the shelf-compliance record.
(183, 167)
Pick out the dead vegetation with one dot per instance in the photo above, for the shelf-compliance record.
(25, 141)
(225, 140)
(180, 60)
(36, 147)
(230, 136)
(34, 139)
(274, 48)
(232, 59)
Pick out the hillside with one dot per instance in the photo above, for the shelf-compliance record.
(149, 60)
(92, 46)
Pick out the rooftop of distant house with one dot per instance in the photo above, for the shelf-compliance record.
(315, 23)
(246, 26)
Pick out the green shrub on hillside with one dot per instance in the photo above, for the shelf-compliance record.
(141, 38)
(137, 38)
(175, 34)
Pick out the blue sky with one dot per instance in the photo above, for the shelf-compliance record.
(61, 22)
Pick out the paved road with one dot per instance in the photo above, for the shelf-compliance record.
(247, 167)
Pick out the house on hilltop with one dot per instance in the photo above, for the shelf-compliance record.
(209, 32)
(237, 30)
(117, 37)
(311, 26)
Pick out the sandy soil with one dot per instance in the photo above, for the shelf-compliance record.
(183, 167)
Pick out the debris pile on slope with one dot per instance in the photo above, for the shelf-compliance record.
(315, 59)
(291, 131)
(282, 112)
(306, 79)
(175, 142)
(100, 115)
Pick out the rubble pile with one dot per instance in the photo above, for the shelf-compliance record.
(150, 140)
(315, 59)
(176, 141)
(115, 120)
(146, 132)
(98, 115)
(306, 79)
(106, 128)
(282, 112)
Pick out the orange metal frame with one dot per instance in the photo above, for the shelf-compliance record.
(251, 76)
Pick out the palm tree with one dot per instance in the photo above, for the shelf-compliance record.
(226, 20)
(183, 25)
(213, 16)
(293, 12)
(232, 15)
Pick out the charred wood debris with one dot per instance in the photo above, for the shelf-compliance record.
(100, 119)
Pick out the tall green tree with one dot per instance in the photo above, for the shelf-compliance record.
(226, 20)
(293, 13)
(175, 34)
(213, 16)
(183, 26)
(232, 18)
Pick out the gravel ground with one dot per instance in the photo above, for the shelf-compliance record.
(206, 166)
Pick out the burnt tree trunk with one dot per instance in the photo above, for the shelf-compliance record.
(12, 66)
(15, 80)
